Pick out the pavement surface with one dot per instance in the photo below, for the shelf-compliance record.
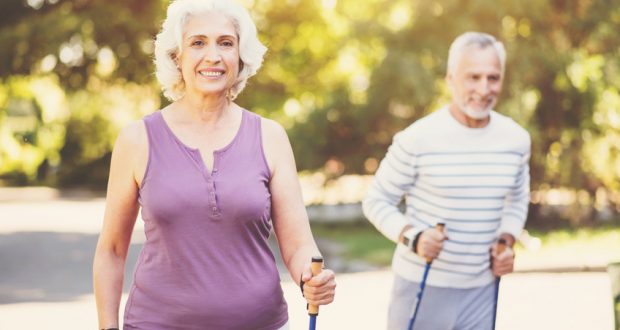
(47, 241)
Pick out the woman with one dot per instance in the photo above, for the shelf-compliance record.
(209, 175)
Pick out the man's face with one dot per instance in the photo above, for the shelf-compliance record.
(476, 82)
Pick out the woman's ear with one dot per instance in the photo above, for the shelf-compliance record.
(175, 59)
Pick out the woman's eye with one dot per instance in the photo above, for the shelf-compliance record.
(197, 43)
(227, 43)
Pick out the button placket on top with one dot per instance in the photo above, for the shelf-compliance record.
(211, 188)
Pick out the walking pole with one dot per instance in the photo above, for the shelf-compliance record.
(313, 310)
(501, 246)
(440, 226)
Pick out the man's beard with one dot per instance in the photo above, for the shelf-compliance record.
(474, 113)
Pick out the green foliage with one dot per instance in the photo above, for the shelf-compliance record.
(72, 34)
(53, 132)
(559, 247)
(341, 76)
(25, 137)
(358, 241)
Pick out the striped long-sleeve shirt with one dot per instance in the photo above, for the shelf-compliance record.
(475, 180)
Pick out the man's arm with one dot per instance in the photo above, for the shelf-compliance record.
(517, 201)
(514, 216)
(392, 180)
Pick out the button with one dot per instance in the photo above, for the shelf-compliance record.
(214, 209)
(215, 170)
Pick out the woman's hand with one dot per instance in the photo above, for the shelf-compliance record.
(319, 289)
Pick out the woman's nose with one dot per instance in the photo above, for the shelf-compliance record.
(212, 54)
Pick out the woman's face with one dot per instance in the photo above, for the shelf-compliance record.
(209, 59)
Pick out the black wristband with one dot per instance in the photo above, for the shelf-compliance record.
(406, 241)
(414, 246)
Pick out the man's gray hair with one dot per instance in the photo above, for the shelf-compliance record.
(475, 39)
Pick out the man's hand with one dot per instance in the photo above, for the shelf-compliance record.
(430, 243)
(502, 262)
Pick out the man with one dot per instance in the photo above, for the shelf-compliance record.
(466, 166)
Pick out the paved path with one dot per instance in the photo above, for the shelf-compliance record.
(46, 247)
(575, 301)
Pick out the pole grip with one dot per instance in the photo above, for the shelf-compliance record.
(316, 266)
(441, 227)
(501, 245)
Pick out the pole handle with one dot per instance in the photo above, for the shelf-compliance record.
(316, 266)
(441, 227)
(501, 245)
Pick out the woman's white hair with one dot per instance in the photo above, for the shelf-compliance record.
(169, 41)
(477, 39)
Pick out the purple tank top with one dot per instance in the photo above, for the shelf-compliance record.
(206, 263)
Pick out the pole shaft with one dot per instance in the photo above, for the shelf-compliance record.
(501, 246)
(419, 296)
(441, 227)
(312, 322)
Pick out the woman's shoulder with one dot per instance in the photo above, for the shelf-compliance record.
(136, 131)
(275, 139)
(265, 122)
(271, 129)
(275, 142)
(133, 134)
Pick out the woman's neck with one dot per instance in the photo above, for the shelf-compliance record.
(204, 109)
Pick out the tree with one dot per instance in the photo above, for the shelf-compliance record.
(341, 76)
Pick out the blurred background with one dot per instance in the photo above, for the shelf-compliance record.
(342, 76)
